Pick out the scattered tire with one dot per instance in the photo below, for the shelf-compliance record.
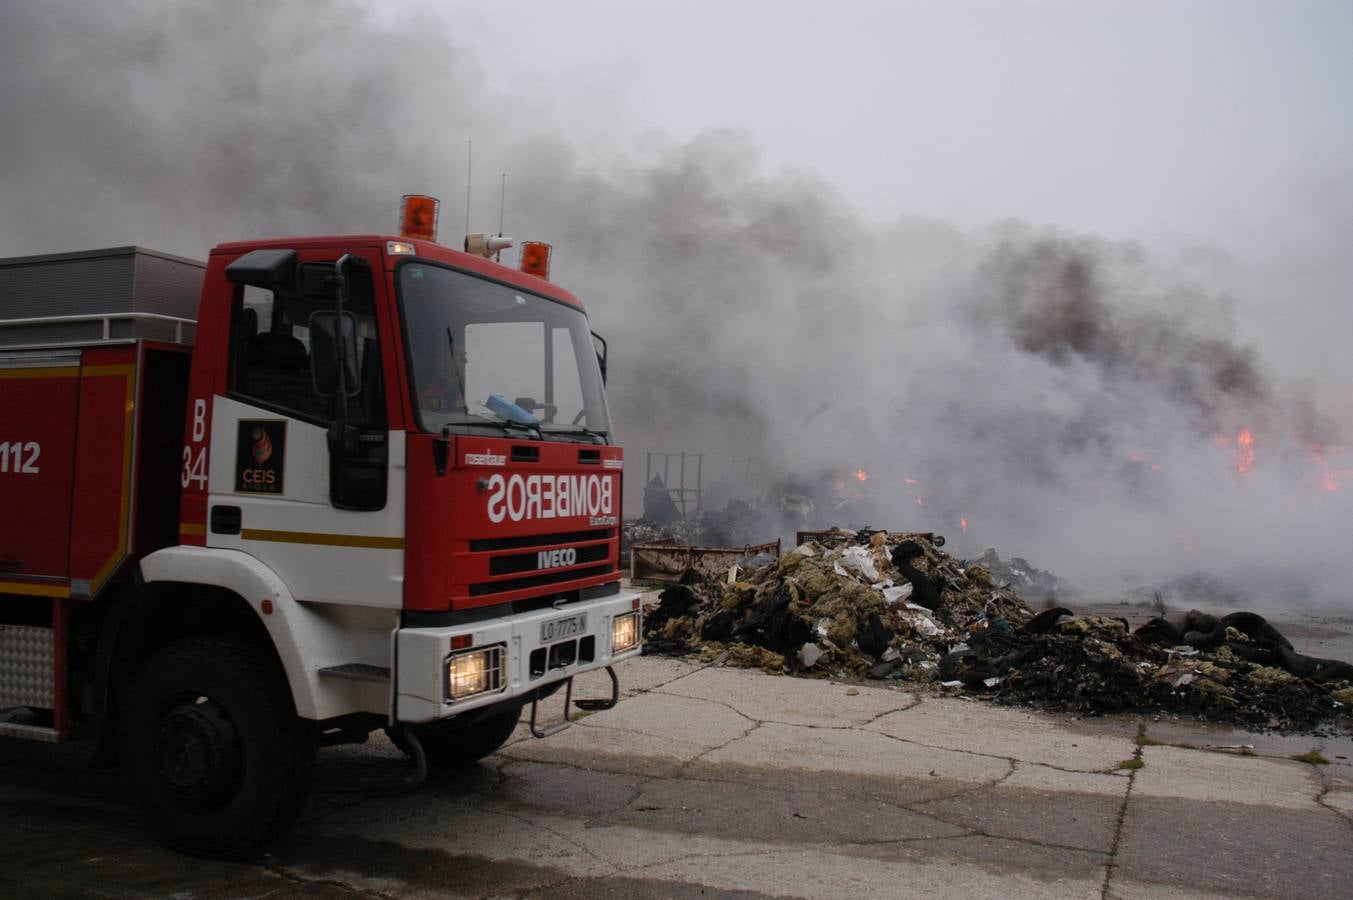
(449, 743)
(213, 748)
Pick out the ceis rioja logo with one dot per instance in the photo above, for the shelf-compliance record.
(259, 456)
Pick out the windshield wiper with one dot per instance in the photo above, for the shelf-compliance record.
(508, 424)
(579, 429)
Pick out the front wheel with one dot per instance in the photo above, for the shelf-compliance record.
(215, 753)
(448, 743)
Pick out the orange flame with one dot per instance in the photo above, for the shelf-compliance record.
(861, 475)
(1329, 475)
(1244, 451)
(963, 524)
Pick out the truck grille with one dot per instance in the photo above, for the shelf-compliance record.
(487, 545)
(517, 584)
(530, 562)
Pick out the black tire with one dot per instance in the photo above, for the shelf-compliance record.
(449, 744)
(213, 748)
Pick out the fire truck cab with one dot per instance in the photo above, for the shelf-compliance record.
(370, 483)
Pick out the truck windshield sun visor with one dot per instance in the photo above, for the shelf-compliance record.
(267, 269)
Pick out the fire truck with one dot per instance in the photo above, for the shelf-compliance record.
(309, 489)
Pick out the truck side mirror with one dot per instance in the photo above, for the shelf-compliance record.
(599, 345)
(333, 353)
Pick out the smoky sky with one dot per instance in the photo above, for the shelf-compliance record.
(1075, 399)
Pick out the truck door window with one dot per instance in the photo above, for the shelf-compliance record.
(270, 348)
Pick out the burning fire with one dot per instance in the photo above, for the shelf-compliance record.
(1138, 456)
(963, 524)
(1330, 476)
(861, 475)
(1244, 451)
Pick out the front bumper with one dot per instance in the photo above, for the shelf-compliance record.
(535, 651)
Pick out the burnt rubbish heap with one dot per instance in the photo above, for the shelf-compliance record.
(894, 606)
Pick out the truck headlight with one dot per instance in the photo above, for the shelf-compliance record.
(624, 632)
(474, 672)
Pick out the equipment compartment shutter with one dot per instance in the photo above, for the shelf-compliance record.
(37, 448)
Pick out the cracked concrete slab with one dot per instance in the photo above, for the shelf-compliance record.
(855, 752)
(706, 722)
(1010, 733)
(592, 796)
(1033, 777)
(624, 888)
(1338, 749)
(796, 809)
(639, 728)
(1132, 889)
(1064, 820)
(791, 701)
(480, 832)
(680, 792)
(1199, 775)
(609, 750)
(914, 872)
(1339, 800)
(636, 676)
(1027, 858)
(1236, 849)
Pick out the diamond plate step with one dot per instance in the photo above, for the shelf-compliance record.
(26, 666)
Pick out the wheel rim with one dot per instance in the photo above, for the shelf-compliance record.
(197, 753)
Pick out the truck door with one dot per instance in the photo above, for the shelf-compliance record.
(270, 450)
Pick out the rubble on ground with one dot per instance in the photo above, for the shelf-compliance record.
(894, 606)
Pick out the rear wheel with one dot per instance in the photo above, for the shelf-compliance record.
(449, 743)
(215, 753)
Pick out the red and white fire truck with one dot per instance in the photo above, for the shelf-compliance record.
(364, 482)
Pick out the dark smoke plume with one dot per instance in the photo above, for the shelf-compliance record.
(1077, 400)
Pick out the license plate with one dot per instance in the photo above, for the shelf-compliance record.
(558, 629)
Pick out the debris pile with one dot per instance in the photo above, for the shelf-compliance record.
(1027, 580)
(895, 606)
(738, 523)
(646, 531)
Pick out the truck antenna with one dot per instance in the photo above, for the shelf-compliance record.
(469, 161)
(502, 205)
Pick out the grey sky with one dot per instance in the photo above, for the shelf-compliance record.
(1132, 119)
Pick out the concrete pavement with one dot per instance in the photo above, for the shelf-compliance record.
(735, 783)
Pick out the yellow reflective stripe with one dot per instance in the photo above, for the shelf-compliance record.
(124, 511)
(193, 528)
(34, 590)
(329, 540)
(67, 371)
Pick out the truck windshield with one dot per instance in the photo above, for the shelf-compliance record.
(484, 356)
